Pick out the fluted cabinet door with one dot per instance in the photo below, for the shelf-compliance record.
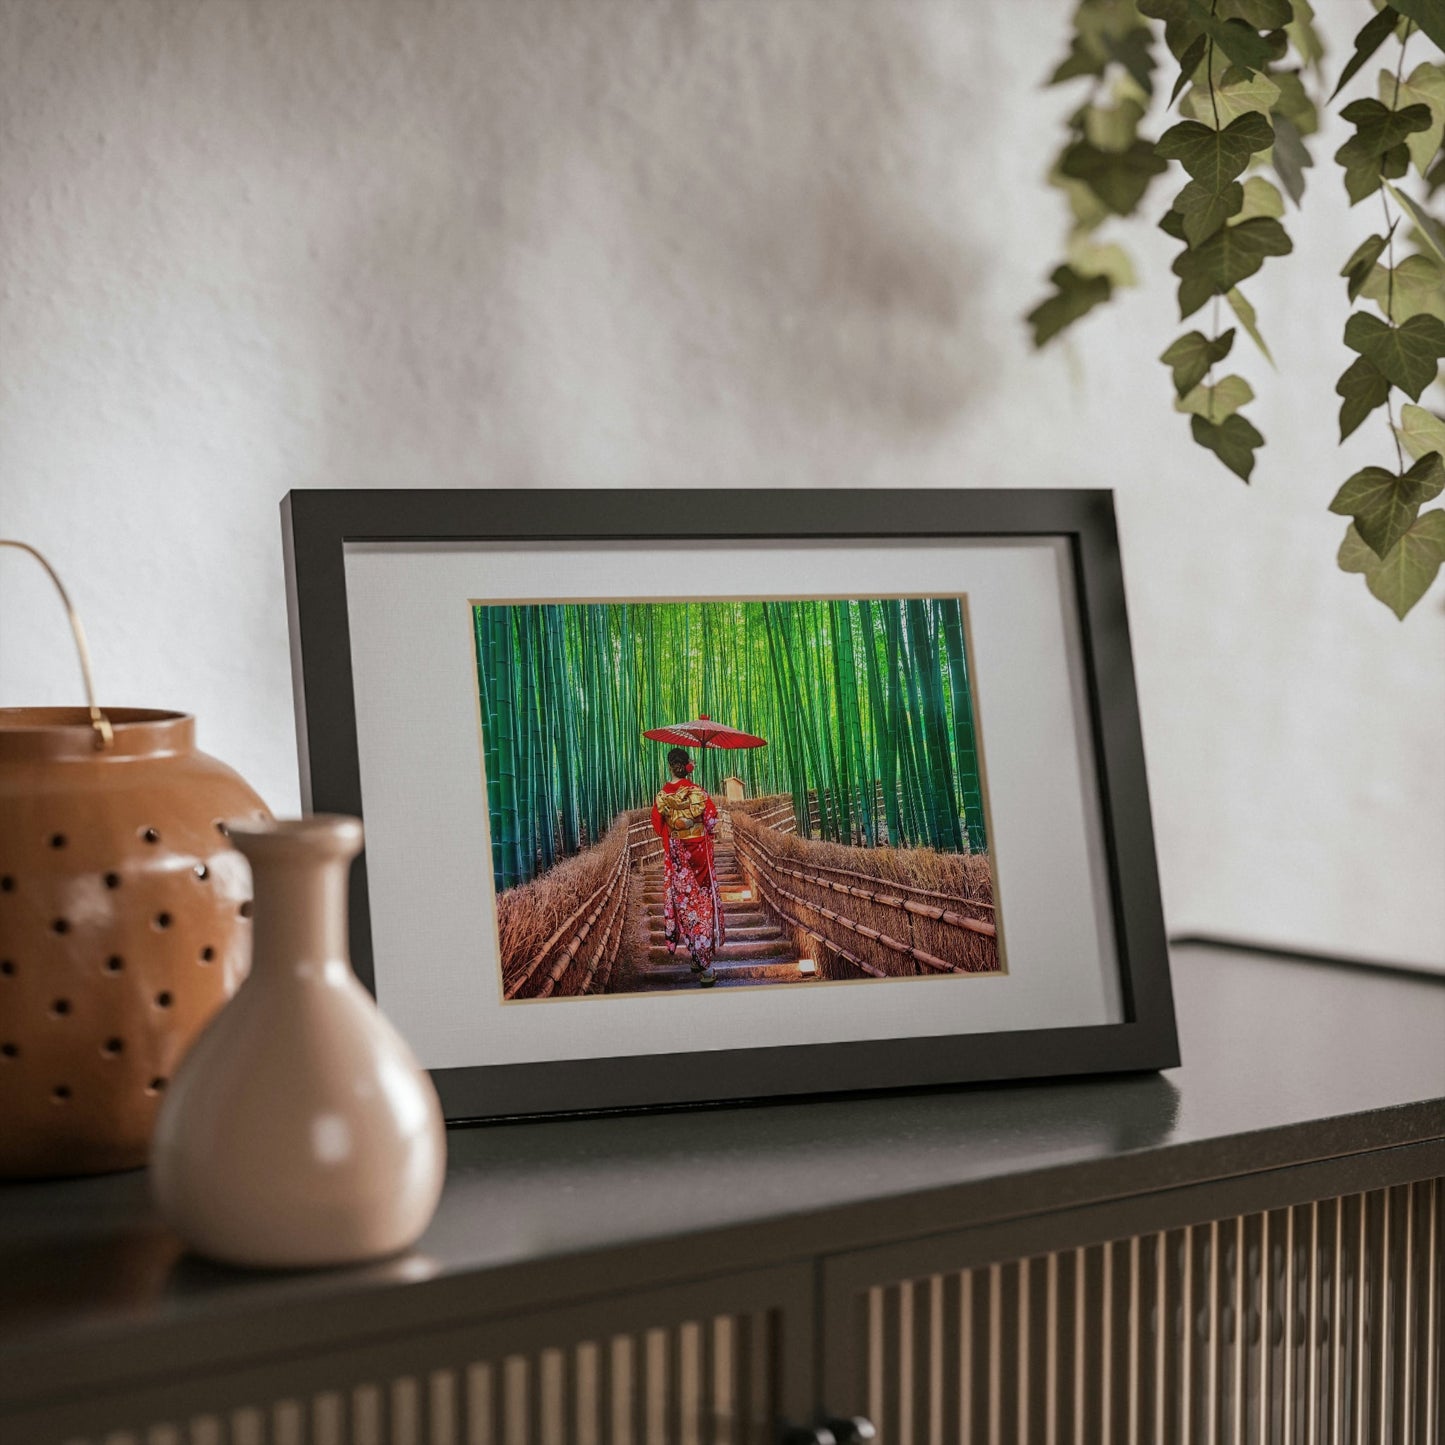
(1313, 1324)
(718, 1362)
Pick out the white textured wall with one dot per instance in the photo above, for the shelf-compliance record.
(252, 246)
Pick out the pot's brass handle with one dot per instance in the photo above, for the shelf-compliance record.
(104, 735)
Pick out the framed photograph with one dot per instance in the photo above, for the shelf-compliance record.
(686, 796)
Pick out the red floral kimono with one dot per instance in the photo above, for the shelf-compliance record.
(684, 817)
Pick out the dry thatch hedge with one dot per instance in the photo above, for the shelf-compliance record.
(958, 883)
(776, 808)
(530, 915)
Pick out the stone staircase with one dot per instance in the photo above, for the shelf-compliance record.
(756, 949)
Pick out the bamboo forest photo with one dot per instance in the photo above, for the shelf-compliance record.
(701, 794)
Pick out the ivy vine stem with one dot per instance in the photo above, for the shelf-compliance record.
(1214, 327)
(1391, 222)
(1214, 106)
(1400, 66)
(1209, 75)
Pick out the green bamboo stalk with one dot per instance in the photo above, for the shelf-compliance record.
(856, 750)
(926, 665)
(563, 704)
(785, 699)
(885, 738)
(628, 710)
(830, 705)
(526, 741)
(914, 830)
(545, 777)
(482, 617)
(965, 745)
(822, 716)
(505, 822)
(800, 681)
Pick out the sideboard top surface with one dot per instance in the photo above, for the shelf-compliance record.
(1285, 1063)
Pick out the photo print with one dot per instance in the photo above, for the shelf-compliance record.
(717, 794)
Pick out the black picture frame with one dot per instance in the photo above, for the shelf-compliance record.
(317, 526)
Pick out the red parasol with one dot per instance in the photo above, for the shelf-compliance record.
(703, 732)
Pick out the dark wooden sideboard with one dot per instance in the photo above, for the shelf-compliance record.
(1247, 1248)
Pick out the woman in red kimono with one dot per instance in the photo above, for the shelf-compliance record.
(684, 817)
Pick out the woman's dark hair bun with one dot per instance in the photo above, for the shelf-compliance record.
(678, 759)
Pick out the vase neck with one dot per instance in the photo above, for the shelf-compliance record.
(300, 871)
(299, 912)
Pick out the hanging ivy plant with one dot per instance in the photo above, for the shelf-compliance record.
(1244, 70)
(1106, 166)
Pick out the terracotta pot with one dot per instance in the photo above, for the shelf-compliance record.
(299, 1130)
(123, 927)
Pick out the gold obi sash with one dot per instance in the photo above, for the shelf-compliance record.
(683, 810)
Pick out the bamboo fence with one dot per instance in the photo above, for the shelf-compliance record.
(579, 954)
(886, 928)
(643, 845)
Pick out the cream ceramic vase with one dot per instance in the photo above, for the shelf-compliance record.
(299, 1130)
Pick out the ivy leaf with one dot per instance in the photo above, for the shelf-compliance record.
(1216, 157)
(1234, 441)
(1245, 312)
(1189, 62)
(1418, 289)
(1420, 431)
(1290, 157)
(1371, 37)
(1216, 402)
(1260, 199)
(1363, 387)
(1238, 39)
(1384, 506)
(1182, 30)
(1363, 178)
(1435, 176)
(1090, 258)
(1429, 15)
(1075, 296)
(1303, 35)
(1172, 224)
(1134, 52)
(1294, 102)
(1101, 33)
(1408, 354)
(1362, 261)
(1113, 127)
(1379, 129)
(1403, 576)
(1425, 86)
(1118, 178)
(1190, 357)
(1082, 59)
(1204, 211)
(1262, 14)
(1229, 256)
(1088, 211)
(1185, 21)
(1428, 226)
(1377, 148)
(1239, 92)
